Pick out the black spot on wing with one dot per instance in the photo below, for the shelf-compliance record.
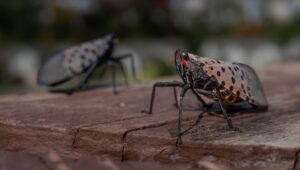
(223, 69)
(218, 73)
(248, 88)
(86, 50)
(94, 52)
(223, 83)
(236, 68)
(232, 80)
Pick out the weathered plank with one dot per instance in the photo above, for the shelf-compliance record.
(99, 123)
(54, 161)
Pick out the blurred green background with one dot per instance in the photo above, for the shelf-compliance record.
(257, 32)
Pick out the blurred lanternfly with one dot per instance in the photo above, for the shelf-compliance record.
(82, 60)
(235, 84)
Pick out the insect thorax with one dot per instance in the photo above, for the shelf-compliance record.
(198, 79)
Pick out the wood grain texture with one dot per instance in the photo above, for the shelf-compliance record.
(96, 122)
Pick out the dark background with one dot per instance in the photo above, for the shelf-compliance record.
(256, 32)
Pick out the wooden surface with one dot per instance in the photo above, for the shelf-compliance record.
(98, 123)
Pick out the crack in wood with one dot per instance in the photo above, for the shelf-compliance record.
(85, 126)
(75, 137)
(296, 160)
(133, 130)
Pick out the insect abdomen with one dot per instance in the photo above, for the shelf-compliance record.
(227, 95)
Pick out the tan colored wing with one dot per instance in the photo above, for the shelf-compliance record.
(232, 76)
(72, 61)
(80, 57)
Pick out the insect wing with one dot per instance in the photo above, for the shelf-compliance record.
(53, 71)
(73, 61)
(240, 79)
(256, 88)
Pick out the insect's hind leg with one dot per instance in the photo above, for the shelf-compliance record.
(84, 79)
(123, 70)
(161, 84)
(204, 104)
(132, 63)
(113, 74)
(229, 122)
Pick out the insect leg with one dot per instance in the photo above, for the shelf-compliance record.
(123, 70)
(175, 96)
(296, 160)
(84, 79)
(161, 84)
(124, 56)
(183, 91)
(227, 118)
(201, 100)
(113, 71)
(194, 124)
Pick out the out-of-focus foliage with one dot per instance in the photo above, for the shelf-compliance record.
(209, 27)
(156, 68)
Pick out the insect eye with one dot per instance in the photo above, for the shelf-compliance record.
(184, 55)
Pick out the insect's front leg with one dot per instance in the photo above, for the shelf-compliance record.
(179, 134)
(173, 84)
(200, 116)
(296, 160)
(176, 97)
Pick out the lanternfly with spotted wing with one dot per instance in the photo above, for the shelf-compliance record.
(239, 78)
(73, 61)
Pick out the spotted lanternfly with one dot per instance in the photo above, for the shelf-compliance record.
(82, 59)
(224, 82)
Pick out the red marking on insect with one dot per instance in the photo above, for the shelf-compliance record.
(183, 62)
